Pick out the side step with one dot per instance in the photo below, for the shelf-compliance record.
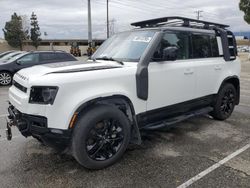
(169, 123)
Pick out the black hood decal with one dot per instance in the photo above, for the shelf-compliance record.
(86, 69)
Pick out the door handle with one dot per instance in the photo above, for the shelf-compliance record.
(189, 72)
(217, 68)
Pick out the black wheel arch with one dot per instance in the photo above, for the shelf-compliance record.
(7, 71)
(235, 81)
(122, 103)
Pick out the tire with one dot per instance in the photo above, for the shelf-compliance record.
(5, 78)
(225, 102)
(100, 137)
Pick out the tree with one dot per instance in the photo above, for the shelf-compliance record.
(35, 31)
(245, 7)
(14, 33)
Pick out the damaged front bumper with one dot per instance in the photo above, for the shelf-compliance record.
(36, 126)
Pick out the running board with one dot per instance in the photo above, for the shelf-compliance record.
(171, 122)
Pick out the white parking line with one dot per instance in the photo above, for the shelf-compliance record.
(212, 168)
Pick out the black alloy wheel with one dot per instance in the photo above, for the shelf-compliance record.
(104, 140)
(225, 102)
(228, 102)
(101, 136)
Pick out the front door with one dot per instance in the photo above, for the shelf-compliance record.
(28, 60)
(171, 82)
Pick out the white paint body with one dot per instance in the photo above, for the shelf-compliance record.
(169, 83)
(183, 80)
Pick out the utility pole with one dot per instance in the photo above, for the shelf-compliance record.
(198, 12)
(107, 18)
(89, 25)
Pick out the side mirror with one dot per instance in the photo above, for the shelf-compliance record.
(170, 53)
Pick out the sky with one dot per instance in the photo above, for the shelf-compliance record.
(67, 19)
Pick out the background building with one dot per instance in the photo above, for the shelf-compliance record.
(50, 44)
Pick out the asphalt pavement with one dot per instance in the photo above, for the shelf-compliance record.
(183, 156)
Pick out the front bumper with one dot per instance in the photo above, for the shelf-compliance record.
(36, 126)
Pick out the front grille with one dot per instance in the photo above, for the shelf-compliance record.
(19, 86)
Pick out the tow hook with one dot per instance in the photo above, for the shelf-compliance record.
(8, 131)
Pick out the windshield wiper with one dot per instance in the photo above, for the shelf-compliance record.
(109, 59)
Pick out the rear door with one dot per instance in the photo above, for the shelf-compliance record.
(48, 57)
(65, 57)
(209, 63)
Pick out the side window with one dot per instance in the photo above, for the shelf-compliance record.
(201, 46)
(29, 59)
(214, 46)
(48, 57)
(180, 40)
(65, 57)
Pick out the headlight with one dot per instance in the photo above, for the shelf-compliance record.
(43, 94)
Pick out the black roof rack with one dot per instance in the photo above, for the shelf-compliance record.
(186, 22)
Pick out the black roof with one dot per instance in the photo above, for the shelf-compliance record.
(186, 22)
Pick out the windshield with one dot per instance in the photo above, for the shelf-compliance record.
(10, 56)
(127, 46)
(19, 55)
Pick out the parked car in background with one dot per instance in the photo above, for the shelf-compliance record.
(29, 59)
(243, 48)
(6, 53)
(10, 56)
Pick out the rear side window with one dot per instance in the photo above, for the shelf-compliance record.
(201, 46)
(204, 46)
(48, 57)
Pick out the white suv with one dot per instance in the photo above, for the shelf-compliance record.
(164, 71)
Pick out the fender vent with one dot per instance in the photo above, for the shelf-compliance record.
(22, 77)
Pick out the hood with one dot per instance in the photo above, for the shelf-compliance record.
(3, 62)
(65, 67)
(76, 66)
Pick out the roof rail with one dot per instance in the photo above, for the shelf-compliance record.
(186, 22)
